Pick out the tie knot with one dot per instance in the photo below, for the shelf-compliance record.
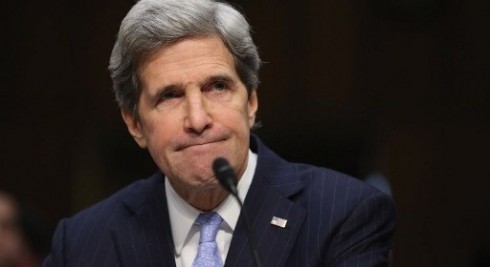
(209, 223)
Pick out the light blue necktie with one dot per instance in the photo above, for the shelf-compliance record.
(208, 254)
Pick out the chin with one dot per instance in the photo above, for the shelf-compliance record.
(201, 186)
(199, 179)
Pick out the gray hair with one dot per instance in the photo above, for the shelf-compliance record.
(152, 24)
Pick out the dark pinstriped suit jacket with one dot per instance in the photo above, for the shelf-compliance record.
(332, 220)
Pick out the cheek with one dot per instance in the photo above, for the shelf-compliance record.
(158, 134)
(236, 120)
(239, 114)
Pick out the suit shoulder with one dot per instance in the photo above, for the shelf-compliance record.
(86, 236)
(316, 174)
(327, 183)
(114, 205)
(327, 192)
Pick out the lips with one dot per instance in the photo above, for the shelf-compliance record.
(197, 143)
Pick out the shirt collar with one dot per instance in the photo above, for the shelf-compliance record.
(182, 215)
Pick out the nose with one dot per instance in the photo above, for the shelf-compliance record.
(197, 118)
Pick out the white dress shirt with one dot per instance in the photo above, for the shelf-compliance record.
(182, 217)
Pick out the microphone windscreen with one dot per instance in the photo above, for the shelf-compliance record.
(225, 174)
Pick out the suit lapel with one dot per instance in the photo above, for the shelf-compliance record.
(274, 183)
(144, 238)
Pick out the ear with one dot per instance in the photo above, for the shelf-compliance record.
(134, 128)
(253, 106)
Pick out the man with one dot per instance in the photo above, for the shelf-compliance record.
(15, 248)
(10, 235)
(185, 74)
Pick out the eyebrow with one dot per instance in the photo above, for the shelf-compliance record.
(219, 77)
(153, 98)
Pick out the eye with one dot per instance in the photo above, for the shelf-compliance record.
(219, 86)
(167, 95)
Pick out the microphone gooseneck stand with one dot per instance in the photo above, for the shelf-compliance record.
(227, 178)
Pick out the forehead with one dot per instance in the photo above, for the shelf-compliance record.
(187, 59)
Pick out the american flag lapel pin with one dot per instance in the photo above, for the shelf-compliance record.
(279, 222)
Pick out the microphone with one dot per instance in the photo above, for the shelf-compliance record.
(227, 178)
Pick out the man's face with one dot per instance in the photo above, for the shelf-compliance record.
(193, 108)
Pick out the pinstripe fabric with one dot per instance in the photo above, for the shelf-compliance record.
(332, 220)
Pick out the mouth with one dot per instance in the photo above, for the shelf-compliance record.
(198, 143)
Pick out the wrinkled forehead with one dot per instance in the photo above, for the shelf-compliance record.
(144, 55)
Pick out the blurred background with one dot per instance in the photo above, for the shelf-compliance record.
(387, 88)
